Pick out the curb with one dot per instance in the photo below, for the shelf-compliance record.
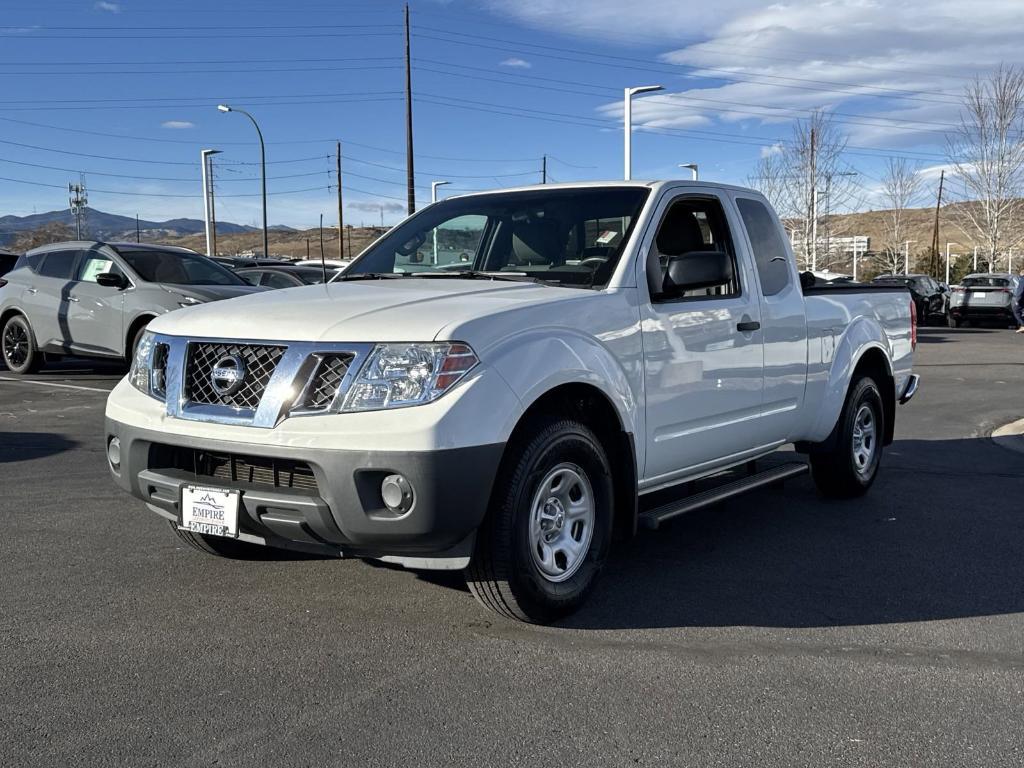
(1010, 436)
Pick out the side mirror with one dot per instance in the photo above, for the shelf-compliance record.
(112, 280)
(695, 270)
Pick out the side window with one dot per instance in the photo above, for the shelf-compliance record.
(59, 264)
(692, 224)
(275, 280)
(94, 264)
(252, 278)
(769, 249)
(450, 244)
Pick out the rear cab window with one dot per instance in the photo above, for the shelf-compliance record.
(770, 254)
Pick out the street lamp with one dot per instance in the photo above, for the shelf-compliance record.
(906, 256)
(433, 189)
(433, 198)
(692, 167)
(947, 259)
(263, 169)
(629, 93)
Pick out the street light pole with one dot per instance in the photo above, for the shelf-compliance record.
(433, 199)
(906, 256)
(263, 170)
(693, 169)
(208, 211)
(628, 94)
(947, 260)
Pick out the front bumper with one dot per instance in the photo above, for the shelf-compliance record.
(319, 500)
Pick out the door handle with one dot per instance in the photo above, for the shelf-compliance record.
(748, 325)
(31, 290)
(74, 299)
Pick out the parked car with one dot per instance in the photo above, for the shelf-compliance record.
(931, 298)
(7, 261)
(609, 341)
(95, 299)
(244, 262)
(983, 297)
(336, 264)
(284, 277)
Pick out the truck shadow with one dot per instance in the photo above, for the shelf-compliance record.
(940, 536)
(26, 446)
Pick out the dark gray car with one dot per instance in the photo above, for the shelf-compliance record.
(94, 299)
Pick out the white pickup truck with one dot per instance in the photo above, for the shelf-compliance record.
(501, 382)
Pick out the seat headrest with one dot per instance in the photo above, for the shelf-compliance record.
(536, 242)
(680, 233)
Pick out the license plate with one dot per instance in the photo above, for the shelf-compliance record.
(212, 511)
(979, 295)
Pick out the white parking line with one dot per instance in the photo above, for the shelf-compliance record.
(51, 384)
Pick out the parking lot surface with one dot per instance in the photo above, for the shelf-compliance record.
(774, 630)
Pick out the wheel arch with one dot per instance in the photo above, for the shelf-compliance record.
(133, 327)
(592, 407)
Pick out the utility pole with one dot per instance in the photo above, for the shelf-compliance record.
(138, 234)
(814, 199)
(544, 170)
(348, 237)
(410, 175)
(935, 232)
(210, 215)
(341, 223)
(78, 200)
(975, 258)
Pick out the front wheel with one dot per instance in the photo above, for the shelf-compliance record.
(220, 545)
(547, 534)
(849, 469)
(20, 352)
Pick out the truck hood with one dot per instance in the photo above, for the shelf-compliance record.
(401, 309)
(210, 292)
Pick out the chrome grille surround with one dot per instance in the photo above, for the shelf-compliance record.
(260, 362)
(296, 381)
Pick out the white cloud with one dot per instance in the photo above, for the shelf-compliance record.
(373, 206)
(774, 149)
(177, 124)
(893, 70)
(516, 63)
(105, 5)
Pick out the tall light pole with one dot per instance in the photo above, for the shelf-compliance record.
(975, 258)
(208, 211)
(263, 170)
(693, 169)
(947, 259)
(629, 93)
(433, 198)
(906, 256)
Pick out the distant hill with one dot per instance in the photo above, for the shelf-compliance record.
(111, 226)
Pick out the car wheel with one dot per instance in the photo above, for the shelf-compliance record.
(19, 346)
(547, 534)
(849, 469)
(953, 322)
(220, 545)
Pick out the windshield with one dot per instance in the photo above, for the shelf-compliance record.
(179, 268)
(566, 237)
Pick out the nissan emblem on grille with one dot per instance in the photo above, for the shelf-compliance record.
(228, 375)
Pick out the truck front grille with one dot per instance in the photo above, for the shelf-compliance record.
(323, 387)
(259, 360)
(231, 468)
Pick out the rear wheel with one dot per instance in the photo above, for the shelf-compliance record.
(547, 533)
(19, 346)
(220, 545)
(849, 469)
(953, 322)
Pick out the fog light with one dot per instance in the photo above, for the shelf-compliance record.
(396, 492)
(114, 453)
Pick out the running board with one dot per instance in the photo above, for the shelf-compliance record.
(652, 518)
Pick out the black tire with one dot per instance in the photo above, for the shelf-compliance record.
(503, 574)
(953, 322)
(840, 473)
(220, 545)
(18, 344)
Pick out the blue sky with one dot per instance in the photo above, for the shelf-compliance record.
(129, 88)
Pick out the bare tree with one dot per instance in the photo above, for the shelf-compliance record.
(807, 179)
(901, 188)
(987, 152)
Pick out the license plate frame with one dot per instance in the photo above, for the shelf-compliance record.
(210, 511)
(979, 294)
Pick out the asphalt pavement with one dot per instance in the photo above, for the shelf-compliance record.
(774, 630)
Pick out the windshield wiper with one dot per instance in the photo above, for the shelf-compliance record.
(367, 276)
(477, 274)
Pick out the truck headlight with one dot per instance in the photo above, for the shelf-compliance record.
(400, 375)
(149, 367)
